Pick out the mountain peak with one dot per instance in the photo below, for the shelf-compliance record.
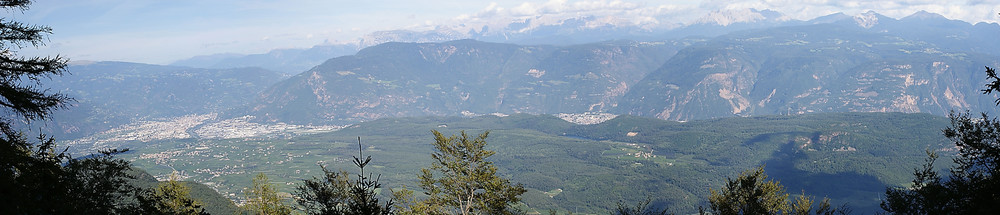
(728, 17)
(834, 17)
(924, 15)
(868, 19)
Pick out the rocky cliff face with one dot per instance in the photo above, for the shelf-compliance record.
(865, 63)
(819, 68)
(470, 77)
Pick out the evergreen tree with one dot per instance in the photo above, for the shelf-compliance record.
(336, 194)
(262, 198)
(461, 180)
(21, 95)
(23, 163)
(100, 184)
(324, 196)
(46, 182)
(642, 208)
(38, 177)
(750, 193)
(753, 193)
(170, 197)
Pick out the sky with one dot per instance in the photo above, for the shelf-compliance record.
(164, 31)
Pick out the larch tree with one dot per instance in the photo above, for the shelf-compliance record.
(262, 198)
(461, 180)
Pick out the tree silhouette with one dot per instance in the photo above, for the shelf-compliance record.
(38, 177)
(20, 92)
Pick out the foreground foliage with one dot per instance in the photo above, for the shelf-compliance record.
(263, 198)
(39, 177)
(641, 208)
(337, 194)
(170, 197)
(753, 193)
(461, 180)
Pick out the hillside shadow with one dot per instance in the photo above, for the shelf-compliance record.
(762, 138)
(862, 193)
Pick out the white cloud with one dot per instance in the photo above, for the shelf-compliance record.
(972, 11)
(668, 14)
(496, 16)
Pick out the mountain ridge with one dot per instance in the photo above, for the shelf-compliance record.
(469, 77)
(108, 94)
(833, 68)
(864, 63)
(403, 79)
(574, 30)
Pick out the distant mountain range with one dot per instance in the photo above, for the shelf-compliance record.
(812, 68)
(287, 61)
(764, 65)
(109, 94)
(728, 75)
(465, 76)
(543, 30)
(530, 31)
(864, 63)
(588, 29)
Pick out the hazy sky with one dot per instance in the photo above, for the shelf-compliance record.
(163, 31)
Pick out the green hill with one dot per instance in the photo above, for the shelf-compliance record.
(849, 157)
(923, 63)
(210, 200)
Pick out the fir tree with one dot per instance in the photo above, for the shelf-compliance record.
(37, 177)
(337, 194)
